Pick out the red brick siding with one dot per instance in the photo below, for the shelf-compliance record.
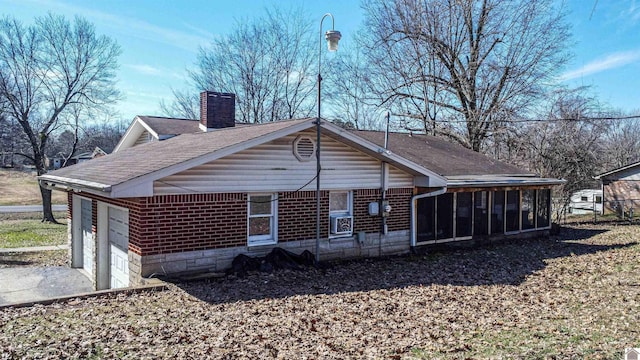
(177, 223)
(69, 204)
(400, 216)
(297, 215)
(362, 221)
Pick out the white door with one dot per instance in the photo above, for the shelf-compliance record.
(87, 235)
(119, 247)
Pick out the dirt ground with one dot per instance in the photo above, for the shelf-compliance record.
(573, 296)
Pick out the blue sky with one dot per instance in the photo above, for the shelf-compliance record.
(160, 40)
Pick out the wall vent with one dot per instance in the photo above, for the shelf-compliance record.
(304, 148)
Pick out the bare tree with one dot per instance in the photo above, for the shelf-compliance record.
(47, 66)
(185, 104)
(349, 93)
(622, 144)
(463, 64)
(568, 144)
(266, 62)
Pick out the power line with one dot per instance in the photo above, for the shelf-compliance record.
(515, 121)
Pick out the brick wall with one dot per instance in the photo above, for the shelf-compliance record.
(297, 215)
(362, 221)
(178, 223)
(400, 201)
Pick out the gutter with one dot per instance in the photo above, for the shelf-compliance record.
(53, 184)
(414, 201)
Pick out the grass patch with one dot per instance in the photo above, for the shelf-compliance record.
(25, 233)
(21, 188)
(61, 216)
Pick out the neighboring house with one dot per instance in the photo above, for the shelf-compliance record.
(214, 189)
(621, 189)
(586, 202)
(76, 159)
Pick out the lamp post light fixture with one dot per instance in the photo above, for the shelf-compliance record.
(332, 36)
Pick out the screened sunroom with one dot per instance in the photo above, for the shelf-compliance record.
(466, 214)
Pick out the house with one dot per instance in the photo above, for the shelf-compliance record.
(621, 190)
(180, 195)
(82, 157)
(586, 201)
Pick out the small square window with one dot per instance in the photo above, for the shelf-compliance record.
(339, 202)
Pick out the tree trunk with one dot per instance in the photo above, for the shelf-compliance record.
(47, 212)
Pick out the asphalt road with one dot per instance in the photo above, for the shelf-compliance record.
(29, 208)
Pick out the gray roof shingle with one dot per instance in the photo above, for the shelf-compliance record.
(439, 155)
(171, 126)
(144, 159)
(432, 153)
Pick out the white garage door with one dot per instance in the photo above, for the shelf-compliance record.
(87, 235)
(119, 247)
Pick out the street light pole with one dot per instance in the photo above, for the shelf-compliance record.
(332, 36)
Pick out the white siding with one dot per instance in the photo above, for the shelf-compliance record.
(273, 167)
(632, 174)
(144, 138)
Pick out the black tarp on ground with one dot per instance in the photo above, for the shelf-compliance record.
(277, 259)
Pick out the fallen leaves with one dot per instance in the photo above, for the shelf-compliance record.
(575, 296)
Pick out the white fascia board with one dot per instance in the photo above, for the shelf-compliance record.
(380, 153)
(68, 181)
(130, 136)
(127, 190)
(483, 181)
(188, 164)
(149, 129)
(75, 185)
(630, 166)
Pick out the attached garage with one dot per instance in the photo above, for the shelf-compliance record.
(102, 249)
(118, 247)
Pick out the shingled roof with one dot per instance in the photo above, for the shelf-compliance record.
(441, 156)
(171, 126)
(134, 162)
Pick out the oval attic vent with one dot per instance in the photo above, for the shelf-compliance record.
(304, 148)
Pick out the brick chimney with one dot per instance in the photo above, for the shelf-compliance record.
(217, 110)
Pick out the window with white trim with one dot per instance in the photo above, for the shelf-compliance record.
(340, 213)
(262, 219)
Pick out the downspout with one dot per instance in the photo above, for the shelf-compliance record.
(414, 201)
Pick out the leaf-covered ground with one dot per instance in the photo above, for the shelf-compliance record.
(576, 296)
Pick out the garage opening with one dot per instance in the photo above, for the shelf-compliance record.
(118, 247)
(87, 235)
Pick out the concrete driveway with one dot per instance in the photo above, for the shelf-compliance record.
(28, 284)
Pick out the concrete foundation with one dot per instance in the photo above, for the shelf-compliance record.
(218, 260)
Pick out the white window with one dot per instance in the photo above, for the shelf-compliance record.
(340, 213)
(262, 222)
